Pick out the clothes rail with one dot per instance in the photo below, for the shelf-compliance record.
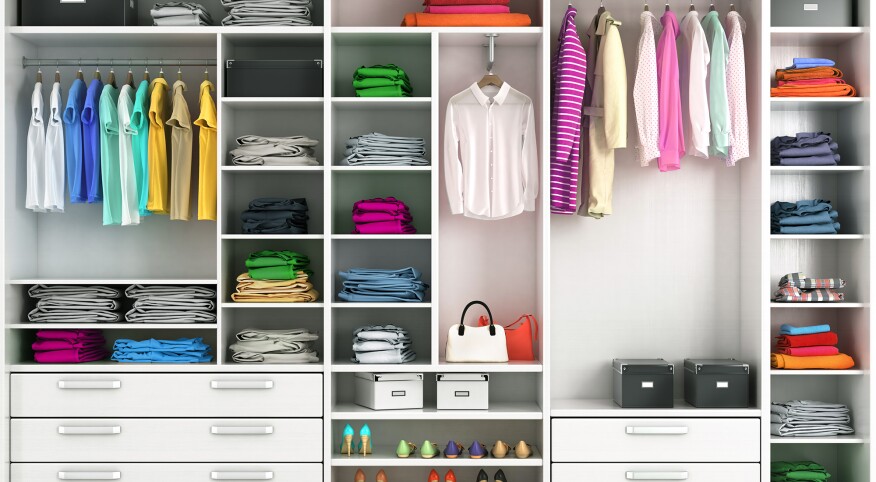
(29, 62)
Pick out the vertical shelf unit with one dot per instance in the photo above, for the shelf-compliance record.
(847, 255)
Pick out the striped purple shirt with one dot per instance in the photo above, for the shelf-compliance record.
(569, 70)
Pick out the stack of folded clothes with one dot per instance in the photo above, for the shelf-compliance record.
(171, 304)
(381, 150)
(276, 277)
(804, 471)
(275, 346)
(804, 149)
(808, 418)
(382, 344)
(382, 216)
(382, 81)
(810, 77)
(69, 346)
(383, 285)
(811, 216)
(263, 13)
(467, 13)
(180, 14)
(274, 151)
(797, 288)
(809, 347)
(275, 216)
(74, 304)
(183, 350)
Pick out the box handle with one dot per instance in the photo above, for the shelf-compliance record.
(221, 430)
(461, 394)
(89, 384)
(89, 475)
(241, 475)
(241, 384)
(632, 430)
(399, 393)
(722, 384)
(657, 475)
(109, 430)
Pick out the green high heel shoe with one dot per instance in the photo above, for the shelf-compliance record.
(429, 450)
(405, 449)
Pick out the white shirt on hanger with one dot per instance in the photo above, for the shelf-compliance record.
(693, 66)
(130, 198)
(36, 152)
(490, 153)
(55, 167)
(736, 90)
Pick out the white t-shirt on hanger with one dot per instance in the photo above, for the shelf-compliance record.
(36, 152)
(53, 201)
(130, 199)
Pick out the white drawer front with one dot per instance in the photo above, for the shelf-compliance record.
(166, 440)
(166, 395)
(655, 440)
(686, 472)
(167, 472)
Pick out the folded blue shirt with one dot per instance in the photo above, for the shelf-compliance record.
(363, 274)
(161, 357)
(829, 228)
(803, 330)
(166, 346)
(817, 218)
(807, 62)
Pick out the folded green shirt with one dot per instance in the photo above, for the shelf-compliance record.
(801, 476)
(371, 82)
(277, 273)
(262, 259)
(780, 467)
(388, 91)
(388, 71)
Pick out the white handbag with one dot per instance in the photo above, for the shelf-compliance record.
(476, 344)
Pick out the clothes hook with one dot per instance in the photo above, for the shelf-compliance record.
(492, 51)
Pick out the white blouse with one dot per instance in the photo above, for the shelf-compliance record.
(490, 153)
(694, 61)
(56, 182)
(36, 152)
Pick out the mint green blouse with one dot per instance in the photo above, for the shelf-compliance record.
(109, 155)
(718, 102)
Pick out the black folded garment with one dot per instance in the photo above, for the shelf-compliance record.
(275, 216)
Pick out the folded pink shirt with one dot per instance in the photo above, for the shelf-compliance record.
(389, 204)
(373, 217)
(385, 227)
(467, 9)
(72, 355)
(69, 334)
(809, 351)
(48, 345)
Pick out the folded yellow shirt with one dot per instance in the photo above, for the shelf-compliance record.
(298, 290)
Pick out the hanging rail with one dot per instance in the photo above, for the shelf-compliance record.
(491, 60)
(26, 62)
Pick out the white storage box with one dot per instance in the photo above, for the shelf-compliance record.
(389, 391)
(463, 391)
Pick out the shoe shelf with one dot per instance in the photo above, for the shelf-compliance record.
(384, 456)
(497, 411)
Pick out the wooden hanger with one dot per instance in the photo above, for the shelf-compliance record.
(129, 80)
(732, 7)
(161, 71)
(39, 75)
(112, 76)
(179, 72)
(667, 7)
(57, 74)
(692, 8)
(207, 67)
(646, 7)
(79, 74)
(711, 7)
(601, 9)
(97, 70)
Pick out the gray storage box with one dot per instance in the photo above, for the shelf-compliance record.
(716, 383)
(273, 78)
(642, 383)
(463, 391)
(77, 13)
(813, 13)
(389, 391)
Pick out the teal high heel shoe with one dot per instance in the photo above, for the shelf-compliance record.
(365, 446)
(347, 444)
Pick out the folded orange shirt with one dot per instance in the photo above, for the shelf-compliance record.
(466, 20)
(810, 73)
(827, 90)
(832, 362)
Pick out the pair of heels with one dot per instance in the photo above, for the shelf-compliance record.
(454, 449)
(499, 477)
(405, 449)
(448, 477)
(360, 476)
(451, 477)
(364, 447)
(522, 450)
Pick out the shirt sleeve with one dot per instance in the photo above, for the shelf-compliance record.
(529, 160)
(453, 175)
(615, 91)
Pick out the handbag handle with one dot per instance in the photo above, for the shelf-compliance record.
(469, 305)
(527, 317)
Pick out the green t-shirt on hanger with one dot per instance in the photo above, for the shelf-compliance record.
(109, 155)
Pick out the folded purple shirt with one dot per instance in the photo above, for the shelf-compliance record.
(819, 150)
(72, 355)
(385, 227)
(828, 160)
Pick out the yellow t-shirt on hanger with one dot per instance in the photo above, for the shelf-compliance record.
(159, 195)
(207, 154)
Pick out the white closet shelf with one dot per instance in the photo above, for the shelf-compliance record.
(118, 36)
(111, 366)
(417, 366)
(269, 33)
(345, 304)
(480, 31)
(112, 326)
(384, 456)
(838, 439)
(270, 367)
(814, 36)
(510, 367)
(381, 103)
(250, 169)
(814, 103)
(264, 237)
(272, 103)
(497, 411)
(382, 168)
(818, 237)
(106, 281)
(817, 169)
(382, 236)
(822, 373)
(607, 408)
(814, 306)
(231, 304)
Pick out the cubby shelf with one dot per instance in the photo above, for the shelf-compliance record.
(607, 408)
(818, 237)
(817, 169)
(111, 366)
(819, 372)
(231, 304)
(814, 306)
(814, 103)
(384, 456)
(264, 237)
(346, 305)
(108, 281)
(416, 366)
(817, 36)
(382, 236)
(272, 168)
(513, 366)
(497, 411)
(273, 103)
(837, 439)
(113, 326)
(382, 168)
(271, 367)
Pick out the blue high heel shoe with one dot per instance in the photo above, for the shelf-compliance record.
(365, 445)
(347, 444)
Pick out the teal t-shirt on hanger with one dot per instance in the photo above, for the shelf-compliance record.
(140, 122)
(109, 155)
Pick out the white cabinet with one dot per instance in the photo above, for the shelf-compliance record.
(687, 472)
(167, 472)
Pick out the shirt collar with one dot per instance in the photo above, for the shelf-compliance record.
(484, 100)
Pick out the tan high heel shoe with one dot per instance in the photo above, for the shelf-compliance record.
(365, 437)
(347, 445)
(360, 476)
(381, 476)
(522, 450)
(500, 449)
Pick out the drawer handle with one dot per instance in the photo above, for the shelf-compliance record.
(265, 430)
(242, 384)
(89, 475)
(241, 475)
(656, 475)
(657, 430)
(89, 384)
(111, 430)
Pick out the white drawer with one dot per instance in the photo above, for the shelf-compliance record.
(166, 440)
(687, 472)
(166, 395)
(167, 472)
(655, 440)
